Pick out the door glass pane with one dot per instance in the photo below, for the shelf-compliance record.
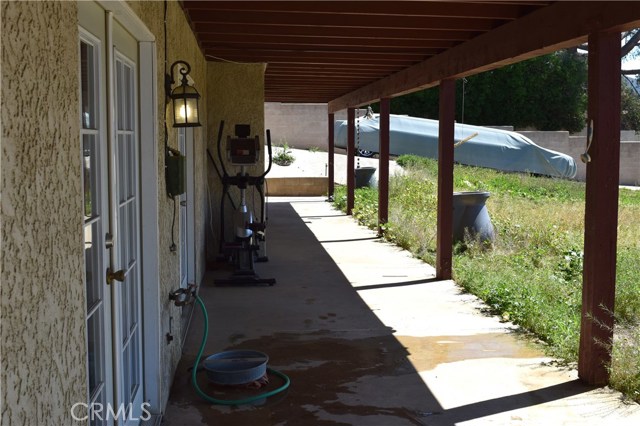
(135, 365)
(93, 275)
(122, 169)
(126, 373)
(88, 82)
(95, 418)
(119, 101)
(132, 303)
(90, 171)
(132, 162)
(128, 98)
(95, 351)
(133, 235)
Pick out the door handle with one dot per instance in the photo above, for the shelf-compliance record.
(183, 203)
(115, 276)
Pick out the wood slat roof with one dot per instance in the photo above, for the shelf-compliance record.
(320, 51)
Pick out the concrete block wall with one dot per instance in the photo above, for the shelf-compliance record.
(301, 126)
(575, 145)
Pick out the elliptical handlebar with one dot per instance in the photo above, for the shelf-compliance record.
(270, 155)
(220, 130)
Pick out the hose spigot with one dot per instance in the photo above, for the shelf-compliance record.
(180, 297)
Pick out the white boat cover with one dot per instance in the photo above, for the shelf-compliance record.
(493, 148)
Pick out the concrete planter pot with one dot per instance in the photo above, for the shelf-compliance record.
(364, 175)
(470, 214)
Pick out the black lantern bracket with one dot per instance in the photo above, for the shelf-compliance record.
(184, 97)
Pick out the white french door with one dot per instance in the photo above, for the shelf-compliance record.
(96, 222)
(126, 309)
(111, 176)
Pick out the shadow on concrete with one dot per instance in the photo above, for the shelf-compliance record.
(346, 366)
(349, 240)
(514, 402)
(338, 214)
(400, 284)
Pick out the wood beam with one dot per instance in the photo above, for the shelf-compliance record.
(329, 69)
(434, 9)
(299, 42)
(330, 160)
(207, 30)
(601, 209)
(321, 74)
(444, 233)
(366, 23)
(351, 148)
(317, 57)
(383, 165)
(320, 47)
(560, 25)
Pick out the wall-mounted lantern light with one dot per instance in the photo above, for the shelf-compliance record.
(184, 98)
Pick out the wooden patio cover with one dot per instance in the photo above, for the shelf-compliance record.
(352, 53)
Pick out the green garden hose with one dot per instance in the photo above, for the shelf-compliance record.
(212, 400)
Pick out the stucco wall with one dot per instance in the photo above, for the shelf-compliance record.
(181, 45)
(235, 95)
(42, 295)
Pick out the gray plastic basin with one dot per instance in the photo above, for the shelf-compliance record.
(236, 367)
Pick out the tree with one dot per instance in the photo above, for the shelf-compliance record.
(630, 111)
(548, 93)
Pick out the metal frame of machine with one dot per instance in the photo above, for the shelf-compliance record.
(249, 233)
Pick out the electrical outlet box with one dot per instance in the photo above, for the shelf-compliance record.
(175, 174)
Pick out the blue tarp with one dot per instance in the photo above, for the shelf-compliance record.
(493, 148)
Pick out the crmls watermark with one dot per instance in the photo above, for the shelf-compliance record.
(81, 411)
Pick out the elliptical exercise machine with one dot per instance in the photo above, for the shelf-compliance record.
(249, 241)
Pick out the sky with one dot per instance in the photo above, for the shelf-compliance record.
(632, 64)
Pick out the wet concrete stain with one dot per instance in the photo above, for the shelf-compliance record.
(235, 337)
(324, 367)
(426, 353)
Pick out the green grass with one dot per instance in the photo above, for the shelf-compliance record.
(532, 275)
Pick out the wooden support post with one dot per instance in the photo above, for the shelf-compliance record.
(383, 165)
(444, 238)
(351, 149)
(601, 209)
(331, 147)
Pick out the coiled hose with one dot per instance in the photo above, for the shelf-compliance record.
(212, 400)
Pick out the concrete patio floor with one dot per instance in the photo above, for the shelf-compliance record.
(369, 337)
